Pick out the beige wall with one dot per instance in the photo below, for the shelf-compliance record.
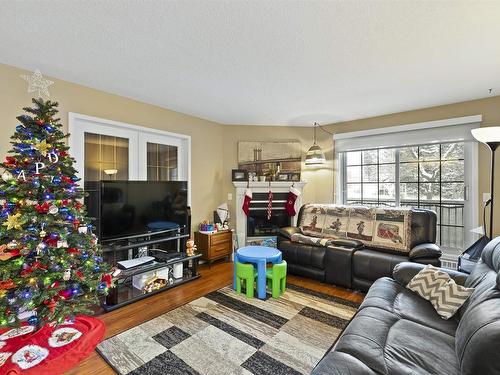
(206, 137)
(214, 146)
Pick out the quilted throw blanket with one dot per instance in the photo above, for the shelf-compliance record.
(388, 228)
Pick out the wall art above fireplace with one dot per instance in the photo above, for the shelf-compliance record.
(270, 158)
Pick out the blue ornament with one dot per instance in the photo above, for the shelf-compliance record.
(97, 268)
(33, 320)
(74, 179)
(85, 256)
(101, 286)
(49, 128)
(20, 128)
(56, 180)
(26, 294)
(69, 217)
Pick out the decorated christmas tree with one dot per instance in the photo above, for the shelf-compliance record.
(50, 265)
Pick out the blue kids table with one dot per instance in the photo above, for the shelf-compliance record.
(259, 255)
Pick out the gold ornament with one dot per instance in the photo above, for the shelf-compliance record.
(43, 147)
(14, 222)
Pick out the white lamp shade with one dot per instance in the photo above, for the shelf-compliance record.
(315, 156)
(487, 135)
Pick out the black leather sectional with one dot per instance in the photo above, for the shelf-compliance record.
(351, 264)
(397, 332)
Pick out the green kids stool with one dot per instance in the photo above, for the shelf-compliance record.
(246, 272)
(276, 279)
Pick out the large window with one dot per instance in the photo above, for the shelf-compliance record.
(426, 176)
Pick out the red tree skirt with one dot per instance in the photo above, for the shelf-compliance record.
(51, 350)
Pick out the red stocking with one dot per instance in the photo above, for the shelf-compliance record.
(290, 201)
(246, 201)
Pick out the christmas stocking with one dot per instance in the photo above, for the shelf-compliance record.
(290, 201)
(246, 201)
(269, 205)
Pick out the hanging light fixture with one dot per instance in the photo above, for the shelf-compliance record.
(315, 155)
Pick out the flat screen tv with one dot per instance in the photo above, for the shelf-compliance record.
(137, 207)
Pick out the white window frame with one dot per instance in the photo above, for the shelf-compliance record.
(79, 124)
(417, 134)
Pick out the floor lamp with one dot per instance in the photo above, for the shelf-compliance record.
(490, 136)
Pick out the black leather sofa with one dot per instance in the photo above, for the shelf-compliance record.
(351, 264)
(397, 332)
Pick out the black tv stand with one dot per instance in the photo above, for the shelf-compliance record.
(124, 292)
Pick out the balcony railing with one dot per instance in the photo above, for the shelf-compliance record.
(450, 220)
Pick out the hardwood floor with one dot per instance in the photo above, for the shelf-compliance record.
(211, 279)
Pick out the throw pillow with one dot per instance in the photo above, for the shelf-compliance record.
(449, 298)
(427, 282)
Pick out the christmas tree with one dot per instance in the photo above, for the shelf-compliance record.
(50, 264)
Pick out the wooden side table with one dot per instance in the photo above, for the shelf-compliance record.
(214, 246)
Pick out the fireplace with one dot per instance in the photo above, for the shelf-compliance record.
(258, 225)
(254, 227)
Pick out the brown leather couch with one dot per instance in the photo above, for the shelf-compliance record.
(350, 263)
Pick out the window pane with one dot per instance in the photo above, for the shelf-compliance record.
(354, 191)
(429, 152)
(408, 154)
(387, 173)
(450, 151)
(353, 174)
(353, 157)
(452, 170)
(408, 172)
(387, 192)
(103, 152)
(152, 174)
(429, 171)
(408, 192)
(429, 191)
(370, 157)
(453, 191)
(387, 155)
(163, 158)
(370, 173)
(370, 192)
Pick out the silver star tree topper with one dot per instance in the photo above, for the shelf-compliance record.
(38, 84)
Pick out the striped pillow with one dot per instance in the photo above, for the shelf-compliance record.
(427, 282)
(449, 298)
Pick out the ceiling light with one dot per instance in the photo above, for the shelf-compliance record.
(315, 155)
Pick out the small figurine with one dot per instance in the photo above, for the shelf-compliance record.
(190, 247)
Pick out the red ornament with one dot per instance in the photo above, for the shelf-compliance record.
(76, 223)
(26, 272)
(39, 122)
(78, 205)
(63, 153)
(10, 161)
(65, 294)
(7, 284)
(55, 284)
(107, 278)
(64, 202)
(67, 179)
(38, 265)
(43, 208)
(52, 242)
(73, 250)
(80, 275)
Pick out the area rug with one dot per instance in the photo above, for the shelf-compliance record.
(226, 333)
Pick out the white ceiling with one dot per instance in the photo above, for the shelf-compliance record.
(263, 62)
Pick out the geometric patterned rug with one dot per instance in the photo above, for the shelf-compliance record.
(225, 333)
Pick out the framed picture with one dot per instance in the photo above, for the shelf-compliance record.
(282, 176)
(294, 177)
(239, 175)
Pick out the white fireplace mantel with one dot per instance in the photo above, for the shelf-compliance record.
(261, 187)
